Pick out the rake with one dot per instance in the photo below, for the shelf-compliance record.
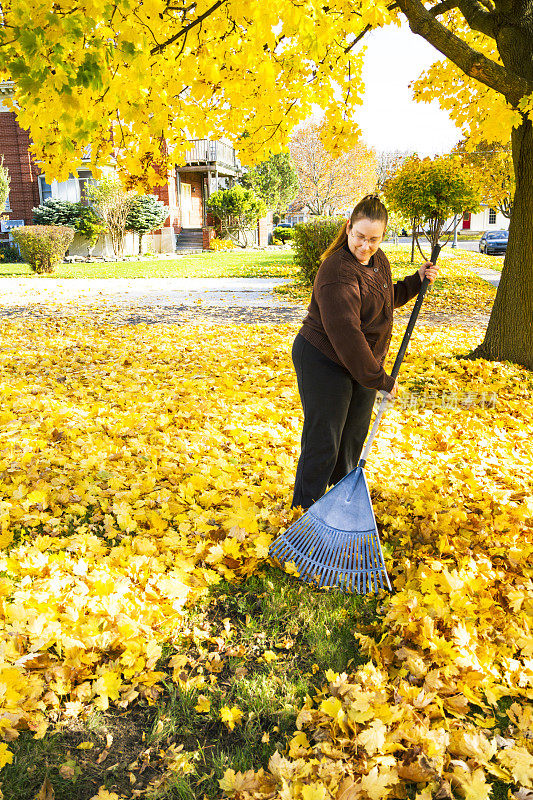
(335, 544)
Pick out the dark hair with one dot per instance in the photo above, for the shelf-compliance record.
(370, 207)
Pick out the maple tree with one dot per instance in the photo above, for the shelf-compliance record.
(330, 183)
(121, 76)
(491, 164)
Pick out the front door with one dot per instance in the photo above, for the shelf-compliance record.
(466, 220)
(186, 205)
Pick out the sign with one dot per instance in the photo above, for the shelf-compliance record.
(7, 224)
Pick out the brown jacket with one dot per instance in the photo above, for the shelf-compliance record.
(350, 315)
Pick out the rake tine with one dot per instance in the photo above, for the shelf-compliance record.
(331, 558)
(371, 561)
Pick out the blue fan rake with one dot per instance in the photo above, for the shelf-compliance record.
(335, 544)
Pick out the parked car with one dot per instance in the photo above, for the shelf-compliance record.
(283, 225)
(493, 242)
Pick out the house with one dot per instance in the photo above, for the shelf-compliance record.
(296, 212)
(484, 220)
(209, 165)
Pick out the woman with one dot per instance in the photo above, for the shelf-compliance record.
(339, 351)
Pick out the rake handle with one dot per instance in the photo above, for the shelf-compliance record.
(414, 316)
(401, 353)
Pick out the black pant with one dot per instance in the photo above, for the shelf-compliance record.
(337, 413)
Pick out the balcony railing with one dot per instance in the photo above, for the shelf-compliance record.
(206, 151)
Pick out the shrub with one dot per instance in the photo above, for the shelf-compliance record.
(146, 214)
(43, 246)
(285, 234)
(310, 240)
(56, 212)
(89, 225)
(238, 210)
(79, 216)
(9, 254)
(221, 244)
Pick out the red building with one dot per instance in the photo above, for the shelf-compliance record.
(210, 165)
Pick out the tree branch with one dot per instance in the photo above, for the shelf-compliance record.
(470, 61)
(441, 8)
(187, 28)
(368, 28)
(478, 19)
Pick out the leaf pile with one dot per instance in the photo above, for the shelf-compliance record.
(444, 708)
(141, 465)
(134, 475)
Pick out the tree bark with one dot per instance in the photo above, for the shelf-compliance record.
(509, 335)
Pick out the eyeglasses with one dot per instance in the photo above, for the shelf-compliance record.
(362, 239)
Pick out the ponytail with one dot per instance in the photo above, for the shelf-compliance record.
(370, 207)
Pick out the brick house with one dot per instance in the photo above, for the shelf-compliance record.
(209, 165)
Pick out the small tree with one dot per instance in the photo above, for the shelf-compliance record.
(113, 203)
(430, 192)
(4, 185)
(275, 181)
(146, 214)
(238, 210)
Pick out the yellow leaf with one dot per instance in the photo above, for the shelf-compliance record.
(203, 705)
(230, 716)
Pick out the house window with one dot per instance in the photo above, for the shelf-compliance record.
(492, 216)
(71, 190)
(84, 178)
(45, 190)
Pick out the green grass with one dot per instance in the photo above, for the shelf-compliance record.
(250, 264)
(310, 632)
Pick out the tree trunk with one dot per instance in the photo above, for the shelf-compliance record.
(413, 242)
(509, 335)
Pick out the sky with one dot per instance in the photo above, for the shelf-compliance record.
(389, 118)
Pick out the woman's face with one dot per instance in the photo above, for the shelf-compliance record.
(364, 238)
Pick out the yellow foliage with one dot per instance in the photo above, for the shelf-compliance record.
(190, 439)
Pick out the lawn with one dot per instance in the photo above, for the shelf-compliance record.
(249, 264)
(150, 649)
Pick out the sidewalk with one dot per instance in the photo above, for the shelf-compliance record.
(139, 291)
(489, 275)
(151, 300)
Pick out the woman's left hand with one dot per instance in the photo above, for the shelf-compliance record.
(429, 271)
